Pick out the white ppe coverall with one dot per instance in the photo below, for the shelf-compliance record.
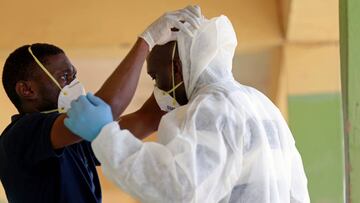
(228, 144)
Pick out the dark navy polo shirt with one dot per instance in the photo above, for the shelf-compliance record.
(32, 171)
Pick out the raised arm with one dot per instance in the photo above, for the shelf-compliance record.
(117, 91)
(119, 88)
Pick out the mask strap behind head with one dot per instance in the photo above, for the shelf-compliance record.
(43, 68)
(173, 75)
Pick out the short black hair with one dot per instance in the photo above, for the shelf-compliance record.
(20, 65)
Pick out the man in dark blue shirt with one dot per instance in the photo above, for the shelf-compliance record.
(32, 171)
(41, 161)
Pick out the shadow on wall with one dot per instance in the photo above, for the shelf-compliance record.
(255, 69)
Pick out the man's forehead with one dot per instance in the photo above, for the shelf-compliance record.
(56, 58)
(161, 53)
(161, 50)
(58, 62)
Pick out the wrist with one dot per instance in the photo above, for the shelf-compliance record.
(147, 41)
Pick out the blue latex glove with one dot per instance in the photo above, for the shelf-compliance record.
(87, 115)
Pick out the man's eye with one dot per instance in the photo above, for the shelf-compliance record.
(64, 77)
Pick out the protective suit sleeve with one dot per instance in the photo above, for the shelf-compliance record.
(148, 171)
(299, 192)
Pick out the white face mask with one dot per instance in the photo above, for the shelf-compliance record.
(165, 101)
(67, 94)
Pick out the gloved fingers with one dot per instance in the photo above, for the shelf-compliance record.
(189, 13)
(73, 103)
(183, 16)
(198, 19)
(192, 21)
(179, 25)
(70, 112)
(74, 106)
(196, 10)
(67, 123)
(183, 28)
(96, 101)
(83, 102)
(196, 16)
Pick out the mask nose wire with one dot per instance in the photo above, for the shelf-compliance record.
(43, 68)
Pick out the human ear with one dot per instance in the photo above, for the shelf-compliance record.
(178, 70)
(25, 89)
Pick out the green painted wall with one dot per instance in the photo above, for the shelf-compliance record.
(315, 121)
(350, 74)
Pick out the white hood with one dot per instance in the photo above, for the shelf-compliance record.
(207, 56)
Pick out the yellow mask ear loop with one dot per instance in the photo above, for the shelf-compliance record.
(44, 69)
(50, 111)
(174, 88)
(172, 74)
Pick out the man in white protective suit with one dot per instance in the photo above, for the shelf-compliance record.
(219, 142)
